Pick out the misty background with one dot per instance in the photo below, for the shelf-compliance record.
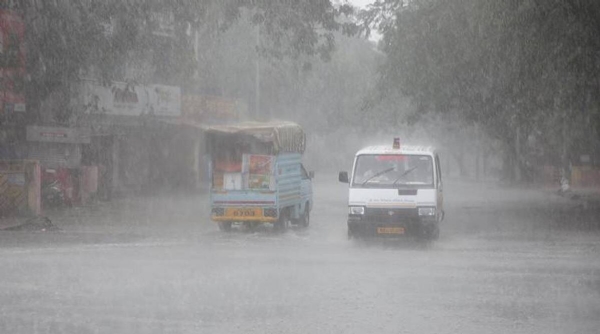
(505, 91)
(105, 105)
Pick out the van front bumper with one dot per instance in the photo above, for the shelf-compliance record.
(391, 222)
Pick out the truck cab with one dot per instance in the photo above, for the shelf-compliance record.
(395, 191)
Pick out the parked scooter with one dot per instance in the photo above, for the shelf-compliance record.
(56, 190)
(52, 194)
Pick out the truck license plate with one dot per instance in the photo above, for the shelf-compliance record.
(252, 212)
(390, 230)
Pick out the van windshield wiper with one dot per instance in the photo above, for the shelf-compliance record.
(404, 174)
(377, 174)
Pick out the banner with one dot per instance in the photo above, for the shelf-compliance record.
(259, 169)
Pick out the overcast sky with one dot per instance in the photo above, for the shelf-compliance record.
(375, 36)
(360, 3)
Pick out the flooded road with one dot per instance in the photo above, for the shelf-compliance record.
(159, 266)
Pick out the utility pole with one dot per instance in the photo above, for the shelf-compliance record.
(257, 75)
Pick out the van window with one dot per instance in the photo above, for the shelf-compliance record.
(304, 173)
(438, 168)
(393, 171)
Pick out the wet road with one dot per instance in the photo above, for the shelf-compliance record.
(502, 265)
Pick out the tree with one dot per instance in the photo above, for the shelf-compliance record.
(517, 68)
(107, 39)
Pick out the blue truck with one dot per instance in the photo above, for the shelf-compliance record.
(257, 175)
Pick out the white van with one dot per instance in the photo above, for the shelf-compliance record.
(395, 191)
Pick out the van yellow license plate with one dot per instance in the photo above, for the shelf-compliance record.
(247, 212)
(390, 230)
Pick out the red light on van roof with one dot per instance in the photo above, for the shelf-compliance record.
(390, 157)
(396, 145)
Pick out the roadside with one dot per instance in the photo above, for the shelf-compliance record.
(529, 209)
(584, 208)
(471, 207)
(22, 223)
(164, 213)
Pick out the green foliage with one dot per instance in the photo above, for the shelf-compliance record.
(518, 68)
(319, 94)
(157, 39)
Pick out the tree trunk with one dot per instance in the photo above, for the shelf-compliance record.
(459, 157)
(518, 176)
(477, 163)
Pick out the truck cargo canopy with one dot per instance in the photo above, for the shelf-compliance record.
(283, 135)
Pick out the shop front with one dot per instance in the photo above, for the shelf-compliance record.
(65, 180)
(132, 135)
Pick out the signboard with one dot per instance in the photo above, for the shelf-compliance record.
(12, 62)
(125, 99)
(51, 134)
(19, 188)
(211, 109)
(165, 100)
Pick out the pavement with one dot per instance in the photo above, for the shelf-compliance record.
(7, 223)
(128, 212)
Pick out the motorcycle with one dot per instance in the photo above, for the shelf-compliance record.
(52, 194)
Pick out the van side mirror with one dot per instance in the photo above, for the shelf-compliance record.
(311, 174)
(343, 177)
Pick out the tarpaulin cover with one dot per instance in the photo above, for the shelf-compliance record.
(285, 136)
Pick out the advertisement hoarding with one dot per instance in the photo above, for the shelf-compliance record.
(124, 99)
(12, 62)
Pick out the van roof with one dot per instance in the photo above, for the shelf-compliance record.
(404, 149)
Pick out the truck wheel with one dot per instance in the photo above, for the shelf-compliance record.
(281, 225)
(225, 226)
(304, 220)
(251, 226)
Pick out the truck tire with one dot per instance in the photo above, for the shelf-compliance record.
(225, 226)
(304, 220)
(282, 224)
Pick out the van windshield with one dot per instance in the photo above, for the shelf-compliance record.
(393, 171)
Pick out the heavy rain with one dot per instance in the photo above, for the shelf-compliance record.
(237, 166)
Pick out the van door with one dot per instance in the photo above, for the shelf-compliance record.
(439, 187)
(306, 189)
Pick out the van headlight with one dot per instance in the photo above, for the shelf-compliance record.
(427, 211)
(356, 210)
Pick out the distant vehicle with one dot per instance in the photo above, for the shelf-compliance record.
(395, 191)
(257, 175)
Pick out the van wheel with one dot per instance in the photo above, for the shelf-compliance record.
(431, 233)
(225, 226)
(304, 220)
(282, 224)
(435, 234)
